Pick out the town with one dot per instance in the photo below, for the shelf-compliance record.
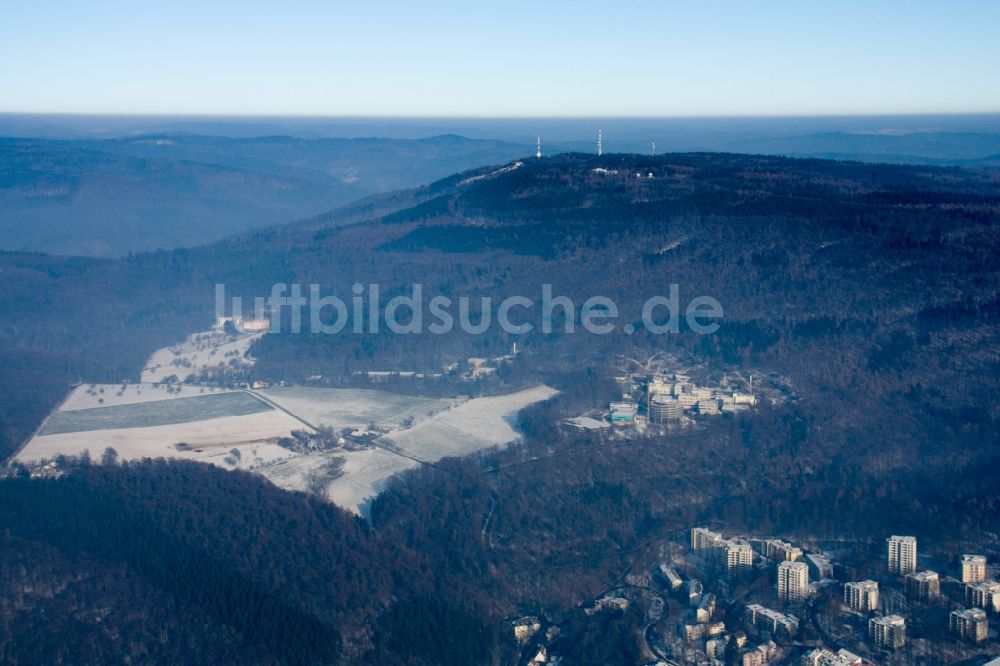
(715, 599)
(662, 400)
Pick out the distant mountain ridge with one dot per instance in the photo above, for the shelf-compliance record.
(110, 197)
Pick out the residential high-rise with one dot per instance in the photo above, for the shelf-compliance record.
(973, 568)
(861, 595)
(970, 624)
(704, 539)
(793, 581)
(739, 557)
(984, 595)
(923, 585)
(901, 554)
(887, 632)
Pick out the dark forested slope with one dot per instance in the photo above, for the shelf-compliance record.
(872, 290)
(107, 198)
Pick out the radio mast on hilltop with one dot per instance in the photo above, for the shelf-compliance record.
(600, 143)
(652, 148)
(538, 148)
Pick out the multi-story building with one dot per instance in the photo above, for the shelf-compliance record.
(526, 627)
(705, 608)
(820, 566)
(766, 619)
(760, 655)
(887, 632)
(776, 549)
(694, 591)
(984, 595)
(623, 412)
(710, 406)
(739, 557)
(691, 632)
(861, 595)
(824, 657)
(923, 585)
(671, 577)
(687, 400)
(970, 624)
(716, 647)
(793, 581)
(664, 408)
(715, 628)
(901, 554)
(704, 539)
(973, 568)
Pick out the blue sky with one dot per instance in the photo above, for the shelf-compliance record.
(716, 58)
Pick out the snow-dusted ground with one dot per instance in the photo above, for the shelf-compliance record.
(354, 408)
(199, 352)
(440, 428)
(208, 441)
(154, 413)
(90, 396)
(471, 426)
(363, 475)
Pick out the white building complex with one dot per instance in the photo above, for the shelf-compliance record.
(970, 624)
(973, 568)
(766, 619)
(736, 556)
(923, 585)
(739, 557)
(887, 632)
(793, 581)
(703, 538)
(901, 554)
(776, 549)
(861, 596)
(984, 595)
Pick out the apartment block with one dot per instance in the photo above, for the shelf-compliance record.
(887, 632)
(901, 554)
(861, 595)
(923, 585)
(973, 568)
(970, 624)
(793, 581)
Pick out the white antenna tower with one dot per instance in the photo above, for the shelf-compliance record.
(600, 143)
(538, 148)
(751, 384)
(652, 148)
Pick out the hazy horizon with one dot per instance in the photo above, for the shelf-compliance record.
(581, 59)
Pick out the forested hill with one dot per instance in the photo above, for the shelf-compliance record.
(109, 197)
(871, 290)
(875, 277)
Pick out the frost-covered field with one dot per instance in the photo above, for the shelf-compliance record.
(154, 413)
(90, 396)
(362, 476)
(355, 408)
(474, 425)
(199, 424)
(199, 352)
(209, 441)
